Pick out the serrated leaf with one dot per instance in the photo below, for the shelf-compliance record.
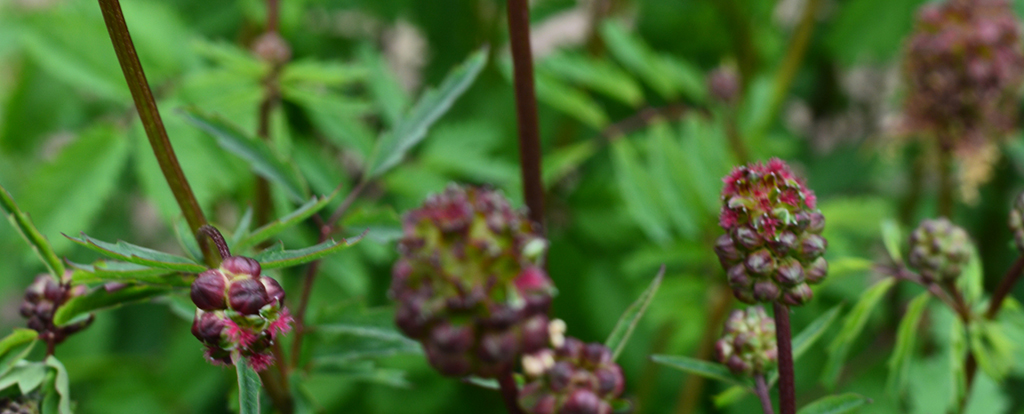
(703, 368)
(638, 191)
(412, 128)
(100, 298)
(16, 346)
(384, 86)
(852, 326)
(338, 117)
(617, 340)
(835, 404)
(274, 258)
(600, 75)
(139, 255)
(563, 97)
(104, 271)
(562, 161)
(60, 384)
(893, 239)
(666, 76)
(256, 152)
(248, 387)
(27, 375)
(906, 335)
(270, 229)
(23, 224)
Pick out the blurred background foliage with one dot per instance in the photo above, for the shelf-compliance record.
(634, 151)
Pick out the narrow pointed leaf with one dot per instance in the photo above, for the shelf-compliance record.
(616, 342)
(61, 385)
(835, 404)
(906, 335)
(314, 205)
(257, 153)
(703, 368)
(242, 228)
(412, 128)
(852, 326)
(104, 271)
(274, 258)
(100, 299)
(139, 255)
(24, 225)
(14, 347)
(248, 387)
(892, 239)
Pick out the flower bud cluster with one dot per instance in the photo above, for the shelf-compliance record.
(939, 250)
(772, 247)
(240, 310)
(570, 378)
(748, 344)
(42, 298)
(964, 66)
(1017, 222)
(19, 405)
(469, 282)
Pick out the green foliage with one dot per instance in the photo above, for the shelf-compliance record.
(852, 326)
(248, 388)
(28, 231)
(631, 317)
(906, 336)
(835, 404)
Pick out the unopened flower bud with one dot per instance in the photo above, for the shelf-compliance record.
(748, 345)
(240, 265)
(939, 250)
(247, 296)
(208, 290)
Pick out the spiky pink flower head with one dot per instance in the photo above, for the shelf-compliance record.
(773, 245)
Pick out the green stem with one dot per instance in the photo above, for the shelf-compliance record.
(151, 122)
(791, 62)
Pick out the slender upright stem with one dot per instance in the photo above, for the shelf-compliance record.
(526, 109)
(1005, 286)
(794, 56)
(509, 392)
(761, 387)
(742, 38)
(783, 335)
(151, 121)
(718, 308)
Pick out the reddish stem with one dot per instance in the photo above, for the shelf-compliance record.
(526, 109)
(1005, 287)
(783, 335)
(763, 394)
(509, 392)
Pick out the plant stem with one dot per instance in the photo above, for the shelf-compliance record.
(742, 39)
(526, 109)
(783, 336)
(151, 121)
(1005, 286)
(279, 396)
(509, 392)
(794, 56)
(690, 395)
(763, 395)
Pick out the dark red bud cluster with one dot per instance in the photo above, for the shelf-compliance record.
(42, 299)
(748, 344)
(939, 250)
(239, 310)
(469, 283)
(574, 378)
(772, 249)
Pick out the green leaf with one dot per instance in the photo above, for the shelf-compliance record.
(393, 146)
(992, 349)
(616, 342)
(242, 228)
(338, 117)
(248, 387)
(61, 384)
(564, 98)
(139, 255)
(325, 73)
(100, 298)
(562, 161)
(256, 152)
(364, 371)
(385, 88)
(270, 229)
(892, 239)
(666, 76)
(971, 281)
(36, 240)
(906, 335)
(275, 258)
(600, 75)
(104, 271)
(835, 404)
(809, 335)
(703, 368)
(27, 375)
(15, 346)
(638, 191)
(852, 326)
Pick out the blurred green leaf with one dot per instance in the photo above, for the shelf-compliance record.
(248, 387)
(703, 368)
(100, 298)
(638, 191)
(318, 72)
(992, 349)
(60, 384)
(338, 117)
(803, 341)
(617, 340)
(14, 347)
(314, 205)
(364, 371)
(906, 335)
(971, 281)
(384, 86)
(893, 239)
(672, 192)
(852, 326)
(597, 74)
(666, 76)
(104, 271)
(259, 155)
(411, 129)
(275, 258)
(27, 375)
(139, 255)
(23, 224)
(382, 224)
(562, 161)
(835, 404)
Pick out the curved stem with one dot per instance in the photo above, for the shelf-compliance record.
(763, 395)
(151, 121)
(1005, 287)
(509, 392)
(526, 109)
(783, 336)
(209, 233)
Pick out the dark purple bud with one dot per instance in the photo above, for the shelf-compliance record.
(27, 309)
(766, 291)
(560, 375)
(274, 290)
(738, 277)
(544, 405)
(726, 250)
(817, 223)
(409, 317)
(53, 291)
(812, 247)
(535, 334)
(45, 310)
(747, 237)
(247, 296)
(597, 354)
(784, 242)
(582, 401)
(738, 366)
(798, 295)
(572, 348)
(207, 327)
(35, 291)
(502, 317)
(452, 338)
(239, 265)
(449, 364)
(760, 263)
(790, 272)
(745, 295)
(609, 381)
(816, 271)
(208, 290)
(499, 347)
(723, 349)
